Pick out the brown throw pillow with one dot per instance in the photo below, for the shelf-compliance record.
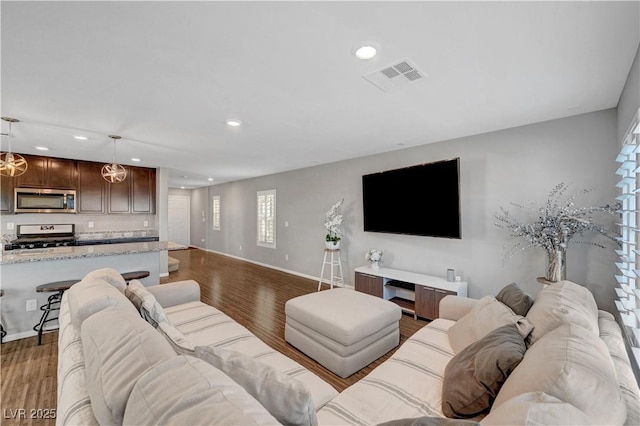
(516, 299)
(473, 377)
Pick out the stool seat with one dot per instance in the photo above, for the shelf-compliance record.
(135, 275)
(2, 330)
(56, 286)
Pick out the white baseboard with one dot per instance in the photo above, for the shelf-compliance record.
(18, 336)
(163, 274)
(277, 268)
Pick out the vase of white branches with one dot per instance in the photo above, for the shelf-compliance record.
(558, 222)
(333, 225)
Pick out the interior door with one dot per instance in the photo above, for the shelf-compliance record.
(179, 219)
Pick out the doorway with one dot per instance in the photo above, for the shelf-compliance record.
(179, 218)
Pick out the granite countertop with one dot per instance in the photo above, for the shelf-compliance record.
(77, 252)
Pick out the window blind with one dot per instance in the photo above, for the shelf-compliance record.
(267, 218)
(628, 289)
(215, 208)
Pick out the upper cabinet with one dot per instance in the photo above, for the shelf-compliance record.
(91, 188)
(94, 195)
(47, 172)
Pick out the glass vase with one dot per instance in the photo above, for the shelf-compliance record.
(557, 267)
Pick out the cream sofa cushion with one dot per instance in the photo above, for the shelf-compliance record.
(286, 398)
(187, 391)
(176, 339)
(572, 364)
(146, 303)
(536, 408)
(485, 316)
(119, 347)
(92, 295)
(560, 303)
(109, 275)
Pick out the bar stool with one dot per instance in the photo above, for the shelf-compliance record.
(2, 330)
(134, 275)
(53, 303)
(333, 261)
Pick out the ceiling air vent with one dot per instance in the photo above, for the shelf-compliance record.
(396, 75)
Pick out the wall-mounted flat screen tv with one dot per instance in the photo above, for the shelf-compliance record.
(417, 200)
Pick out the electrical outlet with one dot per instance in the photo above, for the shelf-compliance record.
(286, 257)
(90, 224)
(32, 305)
(202, 240)
(286, 223)
(145, 223)
(240, 247)
(10, 226)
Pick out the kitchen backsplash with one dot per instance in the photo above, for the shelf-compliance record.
(106, 235)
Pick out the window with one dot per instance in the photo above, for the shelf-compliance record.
(628, 290)
(267, 218)
(215, 208)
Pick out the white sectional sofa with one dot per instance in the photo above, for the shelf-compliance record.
(575, 369)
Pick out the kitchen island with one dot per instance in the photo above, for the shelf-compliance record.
(21, 271)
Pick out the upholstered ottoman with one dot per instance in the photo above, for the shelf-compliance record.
(344, 330)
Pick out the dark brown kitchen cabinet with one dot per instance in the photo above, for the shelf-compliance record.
(136, 194)
(6, 194)
(48, 172)
(91, 188)
(369, 284)
(143, 190)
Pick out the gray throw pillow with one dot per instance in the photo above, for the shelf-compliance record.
(473, 377)
(516, 299)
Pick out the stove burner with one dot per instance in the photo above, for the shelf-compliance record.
(43, 236)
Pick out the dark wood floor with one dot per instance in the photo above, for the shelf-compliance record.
(252, 295)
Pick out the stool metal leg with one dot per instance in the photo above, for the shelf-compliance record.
(53, 304)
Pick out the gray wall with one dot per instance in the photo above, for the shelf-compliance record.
(514, 165)
(630, 98)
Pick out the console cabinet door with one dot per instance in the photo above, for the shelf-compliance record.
(369, 284)
(425, 302)
(91, 188)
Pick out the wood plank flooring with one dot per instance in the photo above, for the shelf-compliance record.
(252, 295)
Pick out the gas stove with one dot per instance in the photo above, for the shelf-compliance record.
(43, 236)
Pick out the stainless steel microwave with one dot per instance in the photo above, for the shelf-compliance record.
(36, 200)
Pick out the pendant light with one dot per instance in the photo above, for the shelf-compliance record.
(12, 165)
(114, 172)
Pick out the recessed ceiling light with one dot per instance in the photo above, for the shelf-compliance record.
(210, 179)
(233, 123)
(182, 187)
(137, 160)
(81, 138)
(42, 148)
(366, 50)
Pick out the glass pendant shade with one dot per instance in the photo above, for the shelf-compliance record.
(114, 172)
(12, 165)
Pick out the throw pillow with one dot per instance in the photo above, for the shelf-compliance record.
(486, 315)
(560, 303)
(574, 365)
(146, 304)
(516, 299)
(286, 398)
(176, 339)
(473, 377)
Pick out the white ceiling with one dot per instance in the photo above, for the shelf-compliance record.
(167, 75)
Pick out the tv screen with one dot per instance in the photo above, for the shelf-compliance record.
(418, 200)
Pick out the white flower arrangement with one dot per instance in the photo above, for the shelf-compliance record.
(333, 223)
(374, 255)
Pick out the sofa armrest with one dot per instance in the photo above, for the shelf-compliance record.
(176, 293)
(455, 307)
